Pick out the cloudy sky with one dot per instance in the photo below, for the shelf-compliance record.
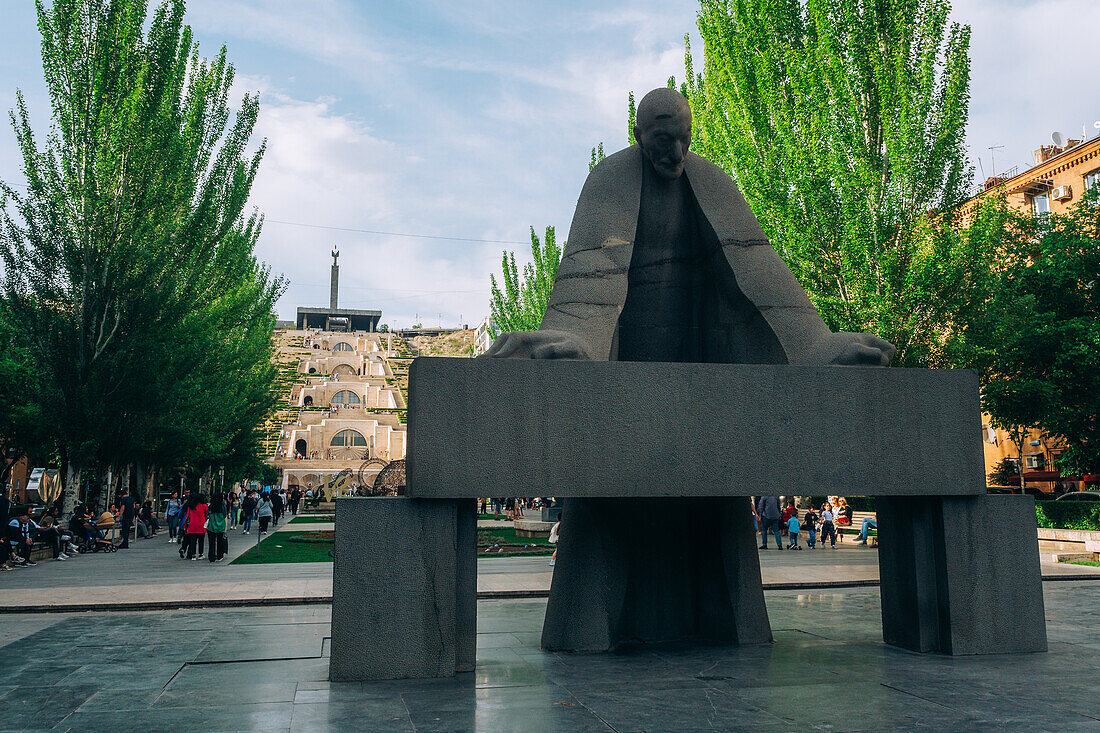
(474, 121)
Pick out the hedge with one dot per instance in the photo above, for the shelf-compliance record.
(1083, 515)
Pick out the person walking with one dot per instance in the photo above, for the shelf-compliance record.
(276, 507)
(768, 510)
(810, 523)
(196, 526)
(216, 518)
(127, 519)
(555, 535)
(172, 515)
(248, 510)
(264, 512)
(828, 530)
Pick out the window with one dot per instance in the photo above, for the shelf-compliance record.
(347, 438)
(1092, 178)
(345, 397)
(342, 346)
(1040, 205)
(1035, 461)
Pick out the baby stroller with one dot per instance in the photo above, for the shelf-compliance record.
(98, 539)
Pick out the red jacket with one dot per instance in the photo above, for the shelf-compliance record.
(196, 520)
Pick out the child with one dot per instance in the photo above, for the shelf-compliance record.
(810, 520)
(792, 531)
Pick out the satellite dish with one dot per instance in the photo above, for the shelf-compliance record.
(1096, 124)
(1058, 139)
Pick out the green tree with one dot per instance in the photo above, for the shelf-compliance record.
(844, 123)
(1038, 349)
(522, 303)
(22, 427)
(129, 260)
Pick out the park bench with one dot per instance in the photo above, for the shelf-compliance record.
(856, 525)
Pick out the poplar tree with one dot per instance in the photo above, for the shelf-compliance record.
(128, 261)
(521, 304)
(844, 123)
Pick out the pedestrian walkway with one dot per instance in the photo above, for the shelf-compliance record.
(151, 575)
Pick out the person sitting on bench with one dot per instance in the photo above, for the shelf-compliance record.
(20, 539)
(868, 525)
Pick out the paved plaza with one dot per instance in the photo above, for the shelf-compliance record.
(151, 574)
(266, 669)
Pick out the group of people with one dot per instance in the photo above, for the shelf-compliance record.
(21, 532)
(197, 520)
(512, 508)
(769, 517)
(87, 529)
(198, 524)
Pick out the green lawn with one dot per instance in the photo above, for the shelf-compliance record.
(509, 544)
(1090, 563)
(313, 519)
(278, 547)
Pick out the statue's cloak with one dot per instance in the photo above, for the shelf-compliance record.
(591, 285)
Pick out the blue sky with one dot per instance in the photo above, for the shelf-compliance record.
(475, 119)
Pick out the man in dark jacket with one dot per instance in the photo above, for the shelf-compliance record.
(768, 509)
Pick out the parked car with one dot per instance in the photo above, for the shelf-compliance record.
(1080, 496)
(1039, 494)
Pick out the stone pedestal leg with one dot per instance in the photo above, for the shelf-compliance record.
(960, 575)
(404, 588)
(655, 570)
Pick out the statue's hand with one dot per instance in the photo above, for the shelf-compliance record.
(851, 349)
(538, 345)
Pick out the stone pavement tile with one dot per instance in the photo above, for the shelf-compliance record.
(853, 704)
(495, 639)
(253, 642)
(122, 676)
(251, 717)
(387, 714)
(504, 667)
(227, 696)
(242, 674)
(39, 708)
(120, 699)
(515, 709)
(671, 706)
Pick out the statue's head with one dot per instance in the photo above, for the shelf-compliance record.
(663, 129)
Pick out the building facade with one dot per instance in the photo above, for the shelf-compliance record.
(348, 411)
(1057, 181)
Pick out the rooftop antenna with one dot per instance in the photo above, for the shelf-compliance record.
(993, 157)
(1058, 139)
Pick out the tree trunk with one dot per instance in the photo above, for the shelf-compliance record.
(71, 488)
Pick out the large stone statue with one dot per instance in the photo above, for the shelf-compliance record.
(665, 262)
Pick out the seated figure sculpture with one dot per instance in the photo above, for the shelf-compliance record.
(666, 263)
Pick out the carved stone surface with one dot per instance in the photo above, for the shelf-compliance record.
(655, 570)
(643, 429)
(960, 575)
(404, 588)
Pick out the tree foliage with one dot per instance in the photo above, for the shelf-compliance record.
(844, 123)
(128, 262)
(1038, 346)
(521, 305)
